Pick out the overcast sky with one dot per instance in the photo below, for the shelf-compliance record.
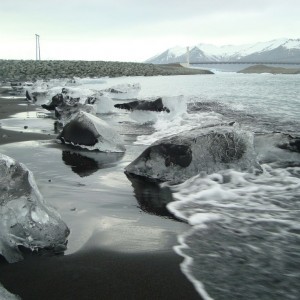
(134, 30)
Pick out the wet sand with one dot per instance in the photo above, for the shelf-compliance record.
(10, 105)
(98, 274)
(97, 271)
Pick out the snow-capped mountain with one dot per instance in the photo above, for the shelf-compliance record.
(280, 50)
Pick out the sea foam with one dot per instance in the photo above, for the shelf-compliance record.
(178, 120)
(244, 234)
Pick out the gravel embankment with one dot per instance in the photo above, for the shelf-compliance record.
(30, 70)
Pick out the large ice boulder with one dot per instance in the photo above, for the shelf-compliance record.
(25, 218)
(181, 156)
(68, 110)
(90, 132)
(67, 107)
(155, 105)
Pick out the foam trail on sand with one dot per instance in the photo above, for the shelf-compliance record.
(245, 230)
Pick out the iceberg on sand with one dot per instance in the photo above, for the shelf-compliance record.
(90, 132)
(181, 156)
(25, 218)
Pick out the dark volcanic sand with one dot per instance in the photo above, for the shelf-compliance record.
(97, 272)
(9, 105)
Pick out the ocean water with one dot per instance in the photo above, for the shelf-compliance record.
(243, 237)
(238, 67)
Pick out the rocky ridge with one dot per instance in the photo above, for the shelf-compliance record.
(30, 70)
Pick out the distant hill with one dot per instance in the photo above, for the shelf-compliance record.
(280, 50)
(267, 69)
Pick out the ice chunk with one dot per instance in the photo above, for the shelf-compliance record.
(6, 295)
(181, 156)
(25, 218)
(155, 105)
(92, 133)
(123, 91)
(103, 104)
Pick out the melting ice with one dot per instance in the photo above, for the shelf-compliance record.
(25, 218)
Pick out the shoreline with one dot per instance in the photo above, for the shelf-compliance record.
(10, 107)
(96, 271)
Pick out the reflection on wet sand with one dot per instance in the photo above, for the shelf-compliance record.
(81, 165)
(151, 197)
(85, 163)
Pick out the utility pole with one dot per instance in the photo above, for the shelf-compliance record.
(37, 47)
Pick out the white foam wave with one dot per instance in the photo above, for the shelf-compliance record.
(145, 117)
(91, 81)
(241, 192)
(234, 215)
(177, 120)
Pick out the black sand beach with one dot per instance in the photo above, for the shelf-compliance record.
(10, 105)
(99, 274)
(97, 271)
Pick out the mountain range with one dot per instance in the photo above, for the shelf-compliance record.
(279, 50)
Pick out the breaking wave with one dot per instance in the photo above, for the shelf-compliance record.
(177, 120)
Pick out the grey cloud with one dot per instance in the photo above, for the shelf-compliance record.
(122, 13)
(163, 21)
(131, 11)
